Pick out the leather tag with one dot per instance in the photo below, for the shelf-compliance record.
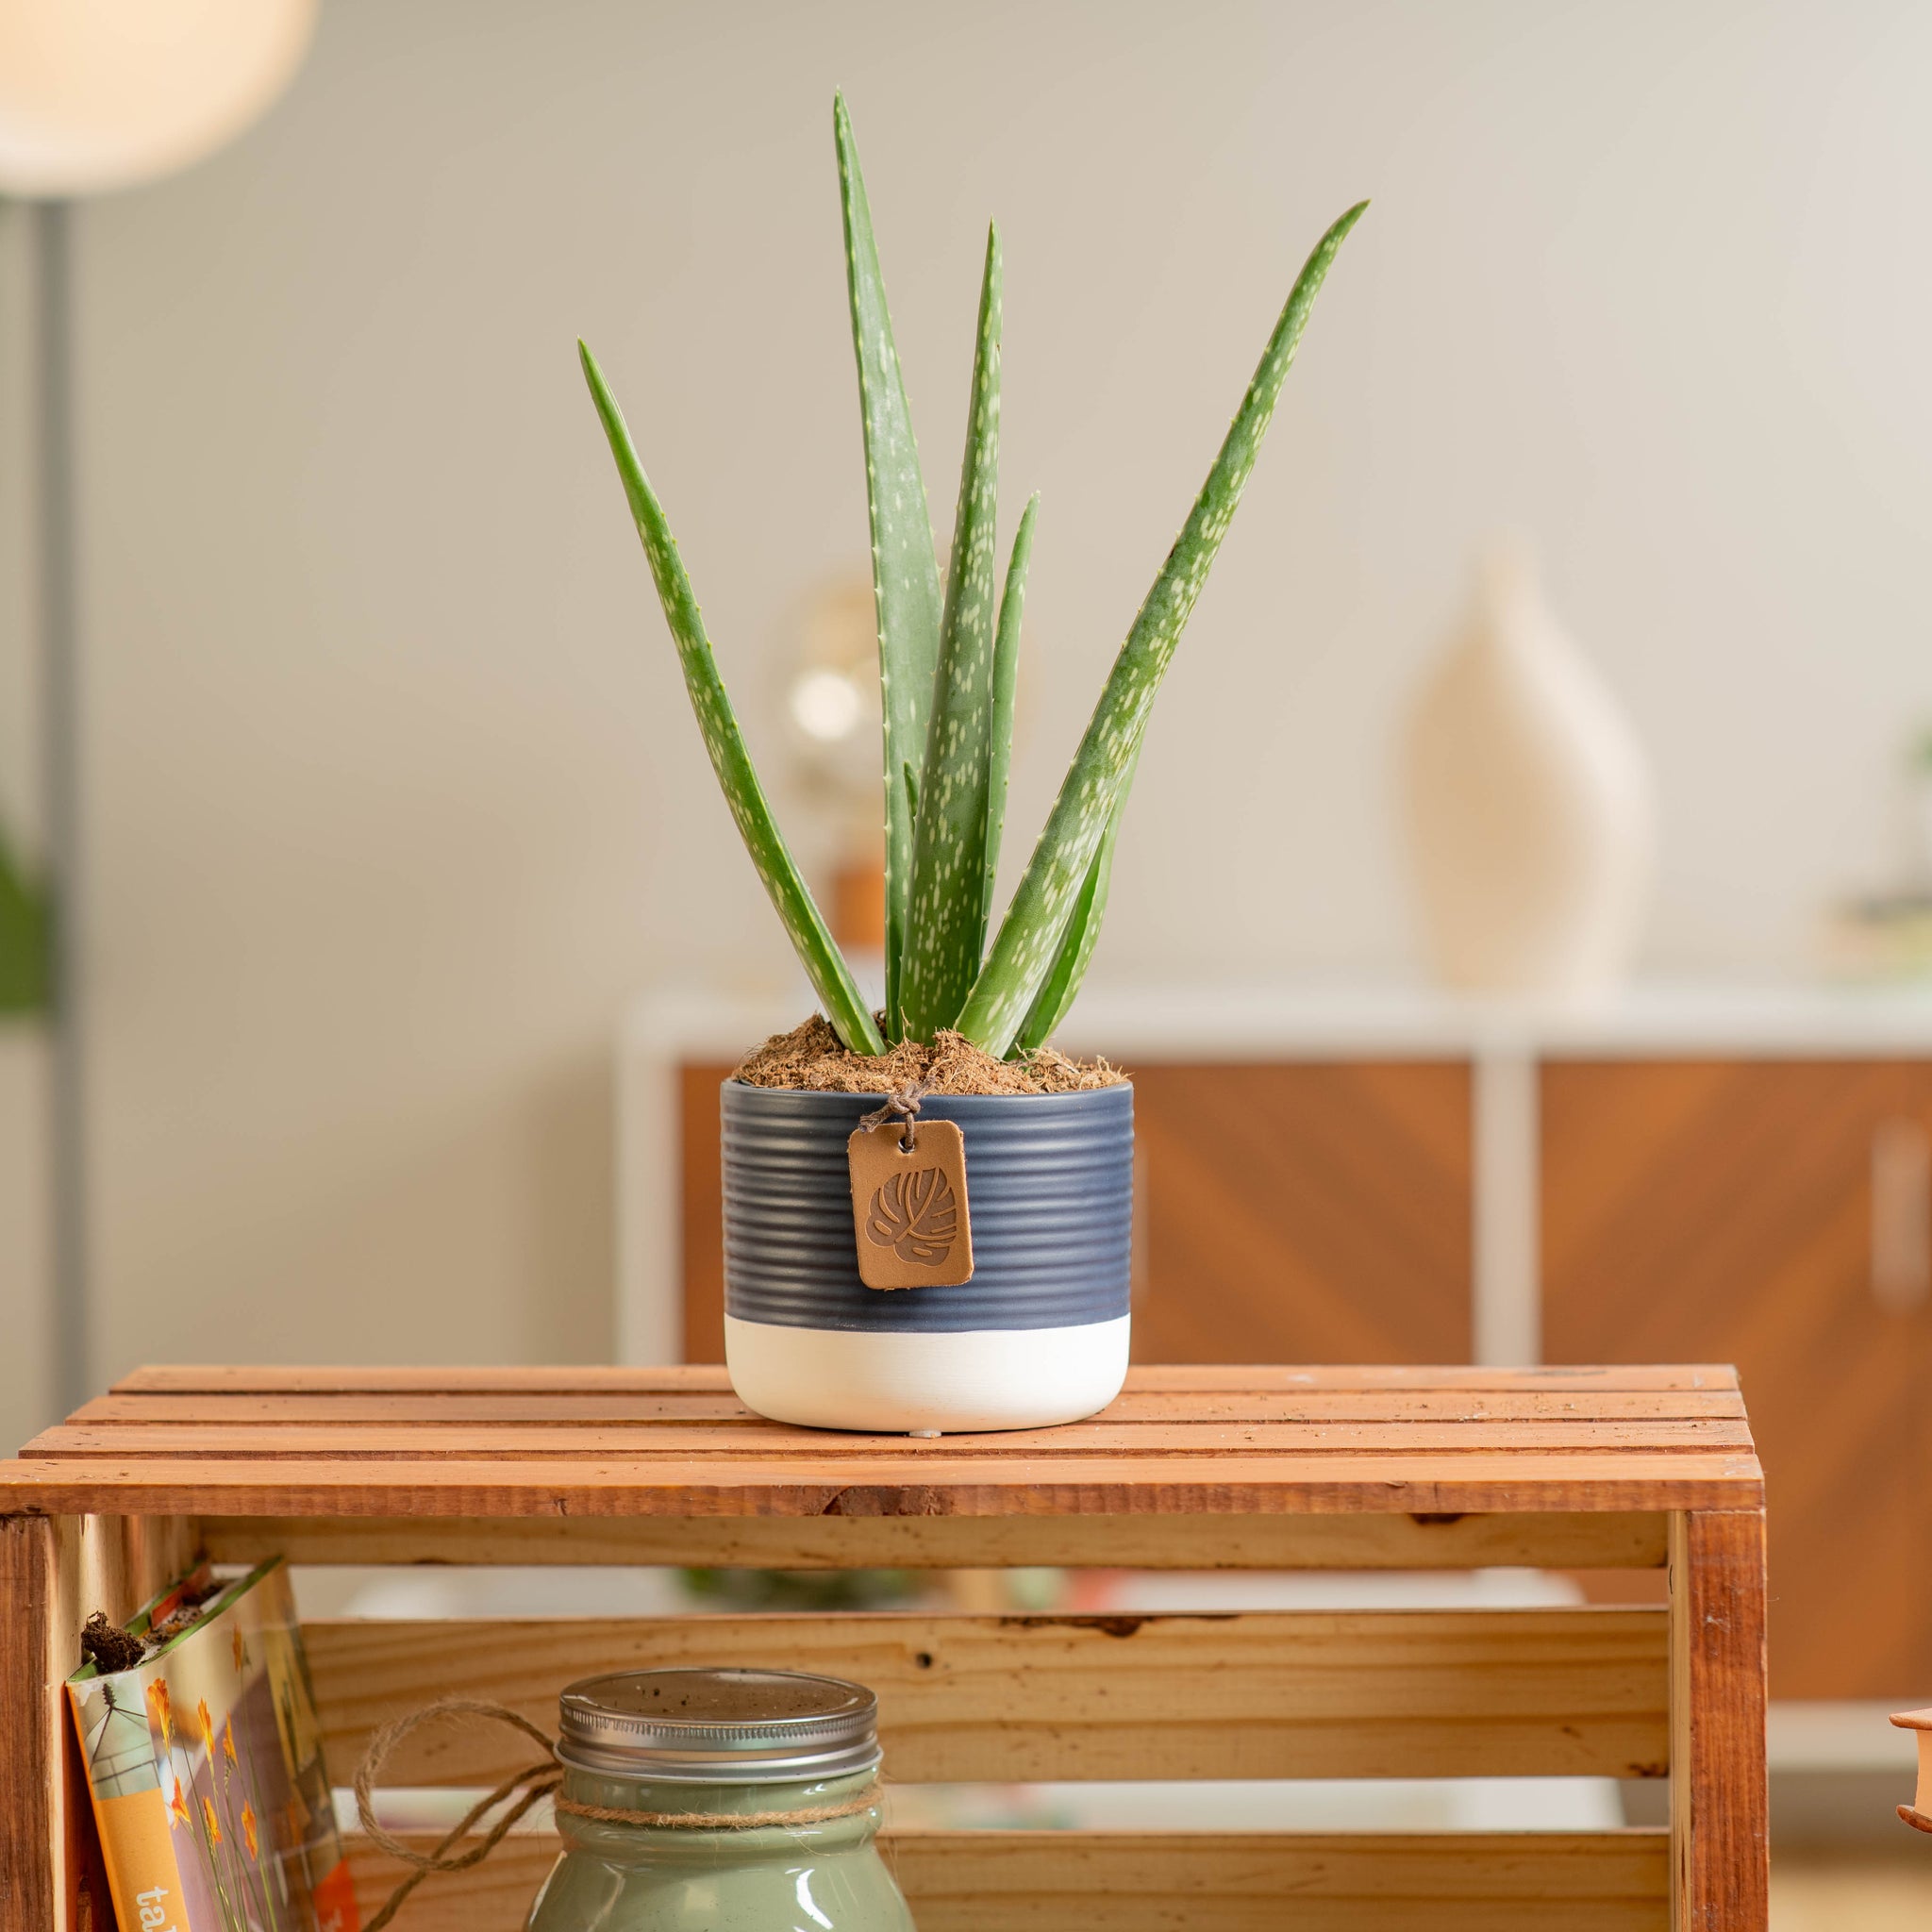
(908, 1208)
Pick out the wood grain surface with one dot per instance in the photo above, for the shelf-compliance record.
(1250, 1443)
(1687, 1381)
(37, 1598)
(1719, 1800)
(1006, 1699)
(1139, 1403)
(1623, 1541)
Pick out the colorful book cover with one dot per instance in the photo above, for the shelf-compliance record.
(205, 1762)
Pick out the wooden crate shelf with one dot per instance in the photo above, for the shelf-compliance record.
(1194, 1468)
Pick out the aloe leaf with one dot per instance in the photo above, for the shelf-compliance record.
(824, 963)
(1061, 986)
(1006, 673)
(1029, 936)
(947, 903)
(904, 571)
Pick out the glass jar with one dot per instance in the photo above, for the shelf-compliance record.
(719, 1743)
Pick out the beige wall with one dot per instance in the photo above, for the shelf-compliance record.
(393, 793)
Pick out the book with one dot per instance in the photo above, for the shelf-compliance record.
(204, 1764)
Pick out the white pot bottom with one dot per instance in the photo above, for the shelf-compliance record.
(990, 1378)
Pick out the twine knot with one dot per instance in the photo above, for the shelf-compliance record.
(903, 1103)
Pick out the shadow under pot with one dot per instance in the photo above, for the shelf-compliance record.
(1037, 1336)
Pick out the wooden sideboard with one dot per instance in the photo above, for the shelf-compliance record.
(1771, 1213)
(1737, 1185)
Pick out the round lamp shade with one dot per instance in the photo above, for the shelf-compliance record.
(96, 94)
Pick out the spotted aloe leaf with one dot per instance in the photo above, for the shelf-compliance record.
(1030, 937)
(904, 570)
(824, 965)
(1005, 676)
(946, 912)
(1061, 986)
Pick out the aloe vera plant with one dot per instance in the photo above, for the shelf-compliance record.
(948, 655)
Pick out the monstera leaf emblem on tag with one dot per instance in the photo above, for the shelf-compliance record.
(915, 1215)
(911, 1212)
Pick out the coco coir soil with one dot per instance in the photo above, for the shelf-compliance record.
(812, 1058)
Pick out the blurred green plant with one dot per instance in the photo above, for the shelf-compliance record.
(947, 655)
(804, 1590)
(24, 933)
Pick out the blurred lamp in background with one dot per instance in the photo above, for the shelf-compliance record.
(831, 704)
(96, 94)
(1529, 805)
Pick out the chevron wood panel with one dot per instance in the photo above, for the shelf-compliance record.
(1722, 1210)
(1315, 1212)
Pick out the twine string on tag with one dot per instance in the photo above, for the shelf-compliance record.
(525, 1789)
(904, 1102)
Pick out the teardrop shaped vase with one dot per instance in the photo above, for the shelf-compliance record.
(1528, 806)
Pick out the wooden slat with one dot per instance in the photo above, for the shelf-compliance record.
(694, 1407)
(1432, 1448)
(1719, 1798)
(432, 1440)
(382, 1378)
(38, 1844)
(1080, 1881)
(1383, 1694)
(1185, 1377)
(1361, 1882)
(908, 1481)
(1581, 1540)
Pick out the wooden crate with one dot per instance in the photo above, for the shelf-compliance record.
(1193, 1468)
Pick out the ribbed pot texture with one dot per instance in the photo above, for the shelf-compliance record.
(1050, 1186)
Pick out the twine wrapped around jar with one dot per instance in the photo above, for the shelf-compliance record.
(525, 1789)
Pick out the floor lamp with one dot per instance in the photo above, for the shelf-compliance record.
(97, 95)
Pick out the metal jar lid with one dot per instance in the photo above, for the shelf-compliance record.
(718, 1726)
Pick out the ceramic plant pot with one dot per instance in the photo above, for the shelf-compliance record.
(1038, 1335)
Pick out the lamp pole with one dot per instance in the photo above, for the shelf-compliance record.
(61, 742)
